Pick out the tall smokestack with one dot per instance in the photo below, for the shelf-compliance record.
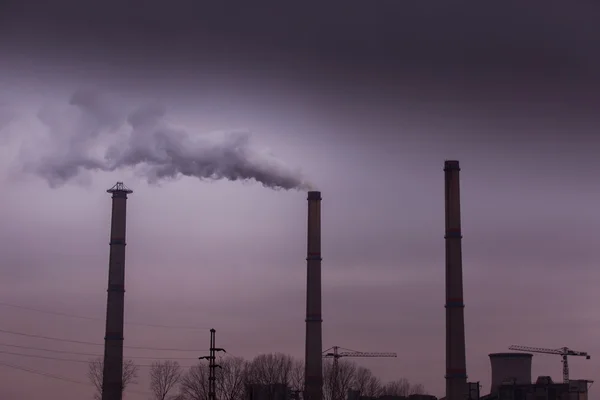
(314, 347)
(456, 369)
(112, 377)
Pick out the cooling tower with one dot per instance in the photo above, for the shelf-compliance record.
(456, 370)
(112, 377)
(510, 367)
(314, 348)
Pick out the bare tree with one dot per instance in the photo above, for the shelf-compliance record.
(231, 378)
(366, 383)
(297, 376)
(193, 385)
(96, 374)
(164, 376)
(269, 369)
(417, 389)
(336, 385)
(274, 369)
(399, 387)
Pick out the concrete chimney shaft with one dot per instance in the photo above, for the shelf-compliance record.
(456, 370)
(314, 346)
(112, 377)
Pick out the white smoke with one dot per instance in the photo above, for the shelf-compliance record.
(93, 135)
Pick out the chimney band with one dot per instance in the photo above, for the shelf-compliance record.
(314, 196)
(116, 288)
(313, 319)
(451, 166)
(456, 375)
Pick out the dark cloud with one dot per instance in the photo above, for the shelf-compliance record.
(466, 41)
(370, 98)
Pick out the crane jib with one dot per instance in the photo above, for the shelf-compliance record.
(563, 352)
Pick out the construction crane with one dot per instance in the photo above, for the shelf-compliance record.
(563, 352)
(334, 352)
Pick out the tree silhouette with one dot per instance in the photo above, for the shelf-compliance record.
(96, 373)
(164, 377)
(282, 369)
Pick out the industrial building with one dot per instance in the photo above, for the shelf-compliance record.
(355, 395)
(456, 363)
(510, 367)
(279, 391)
(511, 372)
(112, 374)
(511, 380)
(313, 362)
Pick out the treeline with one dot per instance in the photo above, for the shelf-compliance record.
(170, 381)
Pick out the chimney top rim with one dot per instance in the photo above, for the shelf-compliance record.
(451, 165)
(314, 195)
(510, 355)
(119, 187)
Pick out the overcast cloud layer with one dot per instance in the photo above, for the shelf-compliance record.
(367, 101)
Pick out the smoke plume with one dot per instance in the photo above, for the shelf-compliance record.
(93, 135)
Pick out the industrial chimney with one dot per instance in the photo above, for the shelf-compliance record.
(112, 377)
(510, 367)
(313, 389)
(456, 370)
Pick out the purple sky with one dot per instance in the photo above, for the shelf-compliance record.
(368, 101)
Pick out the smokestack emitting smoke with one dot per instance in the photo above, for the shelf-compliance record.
(456, 370)
(314, 346)
(112, 377)
(145, 140)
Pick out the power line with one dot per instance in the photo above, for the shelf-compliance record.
(49, 338)
(52, 351)
(70, 359)
(91, 343)
(60, 314)
(58, 377)
(230, 355)
(43, 357)
(92, 354)
(33, 371)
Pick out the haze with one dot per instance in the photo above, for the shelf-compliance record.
(367, 100)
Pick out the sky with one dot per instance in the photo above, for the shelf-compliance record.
(364, 100)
